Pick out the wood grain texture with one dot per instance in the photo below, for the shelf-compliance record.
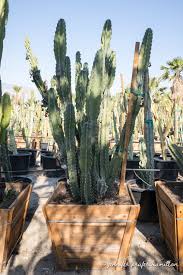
(11, 225)
(90, 235)
(170, 211)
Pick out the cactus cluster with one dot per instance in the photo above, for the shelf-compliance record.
(81, 124)
(82, 127)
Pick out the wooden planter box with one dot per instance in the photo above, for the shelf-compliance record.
(170, 210)
(90, 236)
(12, 222)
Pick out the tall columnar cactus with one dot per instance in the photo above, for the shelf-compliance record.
(81, 82)
(5, 104)
(57, 128)
(94, 159)
(4, 9)
(5, 115)
(148, 130)
(63, 76)
(135, 103)
(87, 159)
(35, 73)
(28, 110)
(143, 85)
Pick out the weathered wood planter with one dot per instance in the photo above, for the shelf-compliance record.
(92, 236)
(12, 222)
(170, 210)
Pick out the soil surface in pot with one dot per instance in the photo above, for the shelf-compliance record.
(175, 190)
(9, 191)
(64, 197)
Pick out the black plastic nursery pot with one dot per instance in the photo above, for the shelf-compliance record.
(168, 168)
(20, 163)
(132, 164)
(33, 157)
(147, 200)
(52, 164)
(45, 153)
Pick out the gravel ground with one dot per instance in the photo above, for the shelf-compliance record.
(34, 255)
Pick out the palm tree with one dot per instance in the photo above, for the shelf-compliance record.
(156, 89)
(173, 72)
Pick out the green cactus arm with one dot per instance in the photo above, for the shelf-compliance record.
(60, 46)
(12, 143)
(35, 72)
(63, 77)
(81, 85)
(6, 111)
(72, 162)
(145, 50)
(56, 122)
(148, 129)
(4, 123)
(85, 163)
(78, 66)
(4, 10)
(103, 142)
(144, 59)
(106, 35)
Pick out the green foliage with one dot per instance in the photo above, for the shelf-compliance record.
(173, 69)
(176, 152)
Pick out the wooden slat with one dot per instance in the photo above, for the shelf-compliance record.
(179, 235)
(11, 225)
(161, 191)
(93, 233)
(168, 227)
(127, 236)
(171, 221)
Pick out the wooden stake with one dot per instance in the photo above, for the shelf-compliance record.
(132, 99)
